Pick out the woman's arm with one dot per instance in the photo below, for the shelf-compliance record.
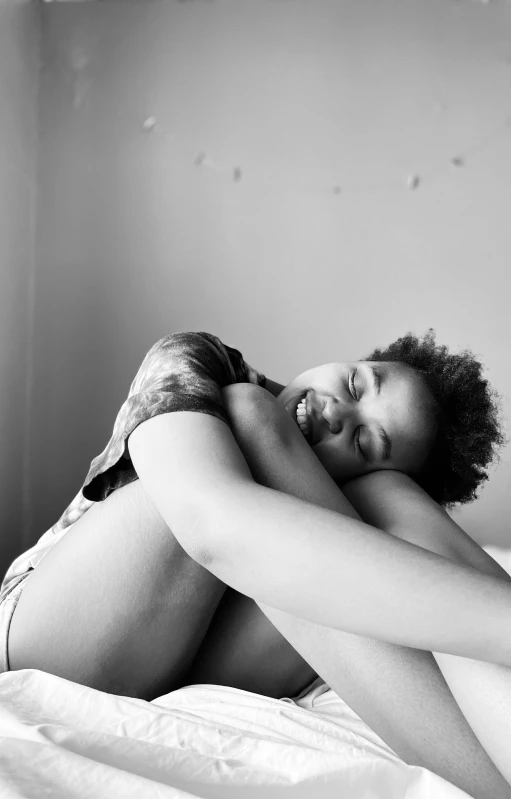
(400, 692)
(267, 545)
(483, 690)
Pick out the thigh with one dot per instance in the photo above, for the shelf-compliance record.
(117, 604)
(243, 649)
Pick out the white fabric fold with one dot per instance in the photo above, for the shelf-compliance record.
(67, 741)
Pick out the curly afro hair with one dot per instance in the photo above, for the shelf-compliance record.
(468, 415)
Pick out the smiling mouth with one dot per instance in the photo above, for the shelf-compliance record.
(303, 419)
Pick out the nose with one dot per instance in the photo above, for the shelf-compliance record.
(333, 414)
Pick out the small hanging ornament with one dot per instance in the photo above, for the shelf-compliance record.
(150, 124)
(199, 159)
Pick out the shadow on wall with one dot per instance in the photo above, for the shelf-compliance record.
(19, 32)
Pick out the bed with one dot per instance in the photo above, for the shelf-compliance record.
(62, 740)
(59, 739)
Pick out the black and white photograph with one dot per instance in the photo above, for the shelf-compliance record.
(255, 399)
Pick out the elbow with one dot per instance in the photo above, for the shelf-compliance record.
(214, 536)
(206, 527)
(194, 528)
(202, 553)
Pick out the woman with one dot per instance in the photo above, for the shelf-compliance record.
(119, 604)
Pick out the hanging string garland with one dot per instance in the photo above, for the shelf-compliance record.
(410, 182)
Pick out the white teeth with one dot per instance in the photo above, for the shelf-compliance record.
(301, 416)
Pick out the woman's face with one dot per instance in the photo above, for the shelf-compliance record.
(363, 416)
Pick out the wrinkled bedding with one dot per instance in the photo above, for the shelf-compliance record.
(59, 739)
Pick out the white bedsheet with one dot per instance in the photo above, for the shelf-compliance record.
(62, 740)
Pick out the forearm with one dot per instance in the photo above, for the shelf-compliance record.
(265, 544)
(358, 580)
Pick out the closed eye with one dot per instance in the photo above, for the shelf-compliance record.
(357, 443)
(351, 385)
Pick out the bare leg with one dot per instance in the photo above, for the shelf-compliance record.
(119, 606)
(483, 690)
(116, 604)
(243, 649)
(398, 691)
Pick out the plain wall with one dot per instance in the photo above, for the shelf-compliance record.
(19, 22)
(135, 240)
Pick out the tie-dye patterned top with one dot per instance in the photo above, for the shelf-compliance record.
(181, 372)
